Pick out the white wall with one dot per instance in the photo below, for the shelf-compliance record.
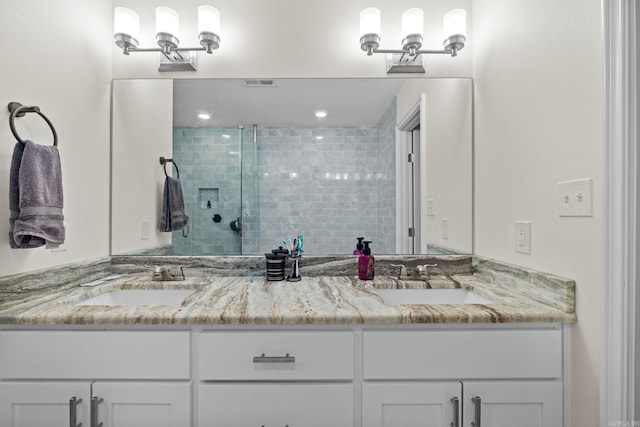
(292, 38)
(449, 155)
(142, 133)
(538, 79)
(57, 55)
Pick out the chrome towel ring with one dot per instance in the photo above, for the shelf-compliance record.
(18, 110)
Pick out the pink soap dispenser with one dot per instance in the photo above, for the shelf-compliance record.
(366, 263)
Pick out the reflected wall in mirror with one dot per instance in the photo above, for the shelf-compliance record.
(263, 167)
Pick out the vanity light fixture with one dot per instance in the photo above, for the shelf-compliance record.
(127, 31)
(409, 58)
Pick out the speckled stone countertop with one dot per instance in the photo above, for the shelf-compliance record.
(252, 300)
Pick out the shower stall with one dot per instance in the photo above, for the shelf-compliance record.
(247, 188)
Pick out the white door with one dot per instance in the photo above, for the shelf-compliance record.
(275, 405)
(44, 404)
(424, 404)
(508, 404)
(152, 404)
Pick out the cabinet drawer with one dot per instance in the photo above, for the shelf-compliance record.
(271, 405)
(462, 354)
(311, 356)
(94, 355)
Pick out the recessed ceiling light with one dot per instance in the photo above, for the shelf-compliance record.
(321, 114)
(204, 116)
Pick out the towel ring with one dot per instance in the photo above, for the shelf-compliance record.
(18, 110)
(164, 162)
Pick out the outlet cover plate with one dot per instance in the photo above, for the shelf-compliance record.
(445, 228)
(523, 237)
(575, 198)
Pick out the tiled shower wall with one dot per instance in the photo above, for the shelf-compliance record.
(331, 190)
(209, 165)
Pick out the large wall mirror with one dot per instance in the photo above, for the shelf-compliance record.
(391, 162)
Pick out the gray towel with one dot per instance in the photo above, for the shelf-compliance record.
(35, 196)
(173, 216)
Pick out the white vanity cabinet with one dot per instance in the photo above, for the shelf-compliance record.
(455, 377)
(275, 379)
(117, 378)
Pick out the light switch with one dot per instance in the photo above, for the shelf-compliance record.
(445, 228)
(575, 198)
(523, 237)
(431, 207)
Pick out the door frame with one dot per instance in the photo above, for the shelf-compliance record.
(415, 116)
(620, 234)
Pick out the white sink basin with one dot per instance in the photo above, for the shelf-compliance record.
(139, 297)
(431, 296)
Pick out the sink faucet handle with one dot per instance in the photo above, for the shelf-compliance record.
(403, 270)
(423, 270)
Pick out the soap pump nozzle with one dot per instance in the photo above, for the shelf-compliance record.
(359, 246)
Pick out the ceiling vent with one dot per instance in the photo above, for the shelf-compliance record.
(260, 83)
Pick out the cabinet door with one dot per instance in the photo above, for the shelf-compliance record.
(275, 405)
(43, 404)
(432, 404)
(508, 404)
(156, 404)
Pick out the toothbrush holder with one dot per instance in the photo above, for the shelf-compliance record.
(294, 275)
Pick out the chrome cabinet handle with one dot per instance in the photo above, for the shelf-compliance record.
(73, 415)
(274, 359)
(456, 412)
(95, 401)
(477, 403)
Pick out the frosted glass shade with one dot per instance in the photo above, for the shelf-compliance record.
(412, 22)
(370, 21)
(126, 21)
(454, 23)
(208, 20)
(167, 21)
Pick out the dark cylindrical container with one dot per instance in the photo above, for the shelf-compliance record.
(276, 264)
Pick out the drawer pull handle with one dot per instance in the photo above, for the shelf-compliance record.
(274, 359)
(477, 403)
(456, 412)
(95, 401)
(73, 414)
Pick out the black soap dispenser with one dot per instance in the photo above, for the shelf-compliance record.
(359, 246)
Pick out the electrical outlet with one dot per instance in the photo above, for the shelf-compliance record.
(445, 228)
(144, 229)
(523, 237)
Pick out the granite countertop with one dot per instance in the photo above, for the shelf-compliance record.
(219, 300)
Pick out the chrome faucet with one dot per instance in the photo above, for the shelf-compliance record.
(165, 273)
(422, 272)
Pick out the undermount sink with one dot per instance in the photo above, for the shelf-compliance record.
(431, 296)
(139, 297)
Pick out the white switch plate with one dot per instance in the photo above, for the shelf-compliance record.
(144, 229)
(445, 228)
(431, 207)
(575, 198)
(523, 237)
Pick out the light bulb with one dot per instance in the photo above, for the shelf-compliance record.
(412, 22)
(167, 21)
(208, 20)
(126, 21)
(370, 21)
(454, 23)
